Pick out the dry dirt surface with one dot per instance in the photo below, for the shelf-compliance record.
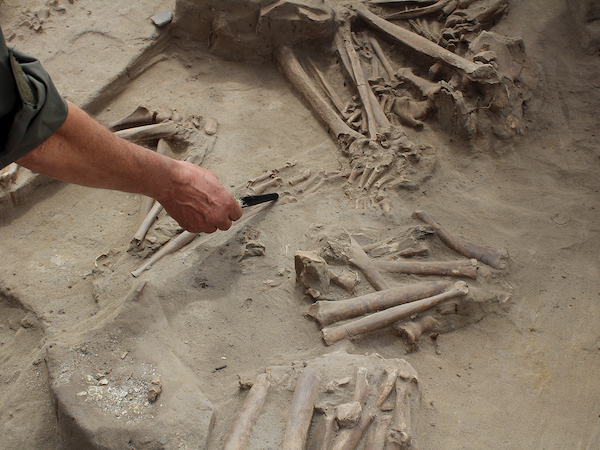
(82, 341)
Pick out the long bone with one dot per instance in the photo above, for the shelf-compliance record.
(382, 57)
(343, 40)
(140, 234)
(400, 433)
(327, 88)
(301, 411)
(240, 433)
(358, 258)
(292, 69)
(385, 318)
(323, 432)
(271, 173)
(458, 268)
(162, 148)
(378, 433)
(477, 72)
(148, 132)
(327, 312)
(141, 116)
(186, 237)
(417, 12)
(348, 439)
(260, 188)
(490, 256)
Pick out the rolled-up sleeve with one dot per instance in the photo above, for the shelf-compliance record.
(31, 109)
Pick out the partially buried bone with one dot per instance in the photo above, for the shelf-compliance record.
(312, 270)
(484, 73)
(490, 256)
(162, 148)
(327, 88)
(140, 234)
(400, 433)
(413, 330)
(292, 69)
(240, 433)
(149, 132)
(358, 258)
(323, 431)
(348, 439)
(387, 384)
(378, 433)
(344, 45)
(141, 116)
(328, 312)
(459, 268)
(300, 178)
(417, 12)
(301, 411)
(385, 318)
(259, 189)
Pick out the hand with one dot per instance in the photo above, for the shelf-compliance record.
(196, 199)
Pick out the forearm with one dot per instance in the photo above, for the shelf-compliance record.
(84, 152)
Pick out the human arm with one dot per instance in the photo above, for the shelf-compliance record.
(84, 152)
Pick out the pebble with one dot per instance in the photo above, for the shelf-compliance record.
(162, 18)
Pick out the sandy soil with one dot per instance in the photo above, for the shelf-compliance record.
(524, 378)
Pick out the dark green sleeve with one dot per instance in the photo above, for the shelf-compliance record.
(31, 109)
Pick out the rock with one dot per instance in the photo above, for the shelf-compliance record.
(162, 18)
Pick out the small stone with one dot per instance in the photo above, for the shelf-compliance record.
(103, 382)
(81, 394)
(155, 380)
(162, 18)
(154, 391)
(124, 355)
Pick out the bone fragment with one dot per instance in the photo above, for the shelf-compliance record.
(365, 175)
(357, 74)
(259, 189)
(299, 179)
(149, 132)
(401, 108)
(312, 270)
(401, 2)
(355, 173)
(140, 234)
(387, 384)
(265, 176)
(292, 69)
(417, 12)
(477, 72)
(458, 268)
(170, 247)
(323, 433)
(490, 256)
(378, 433)
(428, 88)
(400, 433)
(162, 148)
(383, 180)
(162, 113)
(348, 438)
(141, 116)
(348, 414)
(240, 433)
(385, 318)
(301, 411)
(8, 175)
(328, 312)
(413, 330)
(346, 280)
(327, 88)
(359, 259)
(210, 126)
